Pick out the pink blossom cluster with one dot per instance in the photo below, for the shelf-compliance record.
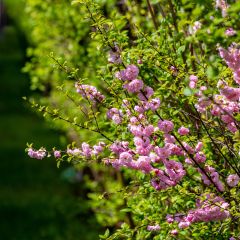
(183, 131)
(222, 5)
(153, 227)
(230, 32)
(210, 209)
(196, 26)
(231, 57)
(165, 126)
(115, 57)
(115, 115)
(145, 154)
(226, 104)
(173, 173)
(89, 92)
(225, 108)
(37, 154)
(86, 150)
(129, 75)
(213, 174)
(193, 81)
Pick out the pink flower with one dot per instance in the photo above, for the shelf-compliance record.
(193, 78)
(89, 92)
(153, 227)
(232, 94)
(211, 209)
(141, 141)
(144, 164)
(188, 148)
(148, 130)
(131, 72)
(37, 154)
(183, 131)
(119, 147)
(154, 104)
(115, 115)
(188, 161)
(221, 4)
(203, 88)
(199, 146)
(57, 154)
(134, 86)
(154, 158)
(200, 157)
(227, 119)
(121, 75)
(97, 149)
(174, 170)
(125, 157)
(86, 150)
(196, 26)
(163, 152)
(136, 130)
(174, 232)
(233, 180)
(232, 127)
(74, 152)
(230, 32)
(170, 218)
(146, 93)
(184, 224)
(231, 57)
(114, 57)
(169, 138)
(165, 126)
(144, 150)
(192, 84)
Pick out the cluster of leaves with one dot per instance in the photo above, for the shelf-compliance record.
(160, 35)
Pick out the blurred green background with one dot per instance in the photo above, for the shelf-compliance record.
(35, 200)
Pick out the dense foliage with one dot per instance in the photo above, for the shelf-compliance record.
(149, 93)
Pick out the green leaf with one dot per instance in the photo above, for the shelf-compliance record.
(181, 49)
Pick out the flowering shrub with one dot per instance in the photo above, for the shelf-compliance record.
(163, 118)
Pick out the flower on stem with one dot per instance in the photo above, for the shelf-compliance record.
(233, 180)
(230, 32)
(174, 232)
(231, 57)
(146, 93)
(114, 57)
(183, 131)
(154, 104)
(193, 81)
(153, 227)
(131, 72)
(37, 154)
(57, 154)
(165, 126)
(134, 86)
(115, 115)
(89, 92)
(221, 4)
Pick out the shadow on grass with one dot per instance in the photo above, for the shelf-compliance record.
(34, 202)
